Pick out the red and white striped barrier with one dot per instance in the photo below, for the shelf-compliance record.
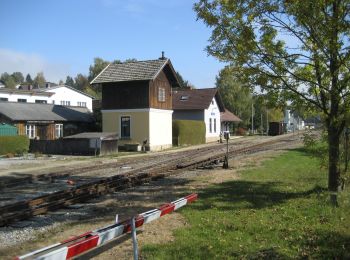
(80, 244)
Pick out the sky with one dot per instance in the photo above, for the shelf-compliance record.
(63, 37)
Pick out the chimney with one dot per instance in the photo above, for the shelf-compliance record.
(163, 57)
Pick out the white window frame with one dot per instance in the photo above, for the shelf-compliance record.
(81, 104)
(161, 94)
(210, 126)
(65, 103)
(214, 125)
(30, 131)
(58, 130)
(120, 127)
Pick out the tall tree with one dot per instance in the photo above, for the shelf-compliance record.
(29, 79)
(69, 81)
(311, 64)
(81, 82)
(8, 80)
(97, 67)
(39, 80)
(236, 97)
(183, 83)
(18, 77)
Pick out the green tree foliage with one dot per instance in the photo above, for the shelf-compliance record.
(69, 81)
(297, 50)
(29, 79)
(236, 97)
(18, 77)
(39, 80)
(97, 67)
(183, 83)
(81, 82)
(8, 80)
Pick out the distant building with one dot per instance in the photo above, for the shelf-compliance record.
(45, 121)
(227, 118)
(58, 95)
(200, 104)
(292, 121)
(313, 122)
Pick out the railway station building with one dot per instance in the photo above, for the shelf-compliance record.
(137, 103)
(200, 104)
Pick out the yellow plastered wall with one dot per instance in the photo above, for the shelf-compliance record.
(139, 125)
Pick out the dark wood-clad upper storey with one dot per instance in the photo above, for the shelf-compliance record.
(140, 84)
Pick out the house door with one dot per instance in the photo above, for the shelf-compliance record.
(42, 132)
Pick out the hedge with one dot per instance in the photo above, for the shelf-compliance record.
(14, 144)
(188, 132)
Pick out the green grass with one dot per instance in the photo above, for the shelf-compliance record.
(278, 211)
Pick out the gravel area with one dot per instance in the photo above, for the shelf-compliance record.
(41, 231)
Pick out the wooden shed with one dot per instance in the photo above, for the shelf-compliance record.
(7, 130)
(88, 143)
(46, 121)
(93, 143)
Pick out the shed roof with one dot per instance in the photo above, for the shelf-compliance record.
(94, 135)
(44, 112)
(193, 99)
(131, 71)
(228, 116)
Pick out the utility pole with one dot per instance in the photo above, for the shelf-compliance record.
(252, 117)
(267, 121)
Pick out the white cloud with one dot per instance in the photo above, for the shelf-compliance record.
(11, 61)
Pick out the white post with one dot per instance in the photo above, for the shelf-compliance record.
(134, 240)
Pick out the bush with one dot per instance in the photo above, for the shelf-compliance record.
(188, 132)
(14, 144)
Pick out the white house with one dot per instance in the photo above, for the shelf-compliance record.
(293, 121)
(58, 95)
(67, 96)
(24, 96)
(199, 104)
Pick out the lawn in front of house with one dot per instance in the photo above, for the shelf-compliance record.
(277, 211)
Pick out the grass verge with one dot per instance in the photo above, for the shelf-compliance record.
(278, 211)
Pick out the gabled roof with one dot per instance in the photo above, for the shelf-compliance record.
(228, 116)
(44, 112)
(25, 92)
(66, 86)
(193, 99)
(132, 71)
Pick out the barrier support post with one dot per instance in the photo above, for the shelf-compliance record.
(134, 240)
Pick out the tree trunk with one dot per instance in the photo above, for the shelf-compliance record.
(334, 160)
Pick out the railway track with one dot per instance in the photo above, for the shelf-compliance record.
(171, 164)
(8, 181)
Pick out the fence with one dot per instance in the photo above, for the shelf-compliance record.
(73, 147)
(78, 245)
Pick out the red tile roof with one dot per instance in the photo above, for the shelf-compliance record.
(190, 99)
(228, 116)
